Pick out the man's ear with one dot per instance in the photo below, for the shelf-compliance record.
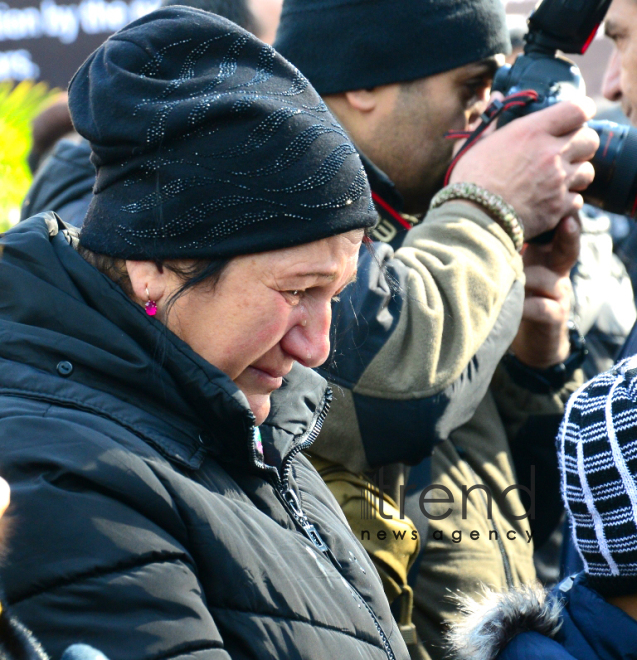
(148, 280)
(363, 100)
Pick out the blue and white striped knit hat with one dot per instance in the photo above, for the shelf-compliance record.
(597, 447)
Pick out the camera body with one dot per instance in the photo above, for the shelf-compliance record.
(570, 26)
(554, 78)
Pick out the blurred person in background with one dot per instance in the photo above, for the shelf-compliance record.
(412, 363)
(51, 125)
(261, 17)
(620, 78)
(619, 87)
(60, 159)
(517, 27)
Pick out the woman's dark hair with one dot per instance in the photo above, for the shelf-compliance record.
(197, 273)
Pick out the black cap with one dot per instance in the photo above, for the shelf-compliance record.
(208, 144)
(342, 45)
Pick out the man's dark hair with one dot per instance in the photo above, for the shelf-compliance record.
(236, 11)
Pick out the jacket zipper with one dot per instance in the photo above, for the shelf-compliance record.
(293, 505)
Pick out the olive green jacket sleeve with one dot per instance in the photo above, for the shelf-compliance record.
(417, 338)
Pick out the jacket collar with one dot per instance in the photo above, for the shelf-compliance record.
(491, 621)
(70, 312)
(381, 184)
(392, 225)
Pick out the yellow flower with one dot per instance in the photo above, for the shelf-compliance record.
(19, 104)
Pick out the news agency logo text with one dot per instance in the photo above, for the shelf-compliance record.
(372, 506)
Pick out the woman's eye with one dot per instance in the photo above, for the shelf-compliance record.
(293, 296)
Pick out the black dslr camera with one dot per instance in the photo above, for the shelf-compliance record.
(570, 26)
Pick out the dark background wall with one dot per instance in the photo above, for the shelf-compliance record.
(48, 40)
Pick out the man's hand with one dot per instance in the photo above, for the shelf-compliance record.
(542, 339)
(537, 163)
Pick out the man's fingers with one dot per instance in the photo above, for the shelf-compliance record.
(573, 202)
(543, 310)
(581, 145)
(544, 280)
(564, 117)
(565, 246)
(541, 281)
(582, 177)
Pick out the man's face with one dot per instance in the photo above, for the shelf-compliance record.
(410, 144)
(620, 79)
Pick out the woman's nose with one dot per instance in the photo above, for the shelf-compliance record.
(308, 342)
(611, 85)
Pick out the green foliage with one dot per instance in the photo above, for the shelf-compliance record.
(19, 104)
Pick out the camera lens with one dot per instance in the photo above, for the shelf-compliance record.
(615, 186)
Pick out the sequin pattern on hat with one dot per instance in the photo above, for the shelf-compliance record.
(209, 144)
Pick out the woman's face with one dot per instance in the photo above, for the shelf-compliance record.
(267, 311)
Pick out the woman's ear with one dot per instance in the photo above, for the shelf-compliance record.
(148, 280)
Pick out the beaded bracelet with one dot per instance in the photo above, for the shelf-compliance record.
(504, 214)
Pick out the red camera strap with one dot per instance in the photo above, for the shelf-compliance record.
(495, 109)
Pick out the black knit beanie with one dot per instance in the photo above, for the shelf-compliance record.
(208, 144)
(597, 451)
(342, 45)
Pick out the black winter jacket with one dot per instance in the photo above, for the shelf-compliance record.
(147, 524)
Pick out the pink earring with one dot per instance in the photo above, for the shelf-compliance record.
(150, 305)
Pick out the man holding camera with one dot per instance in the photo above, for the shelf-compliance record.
(418, 337)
